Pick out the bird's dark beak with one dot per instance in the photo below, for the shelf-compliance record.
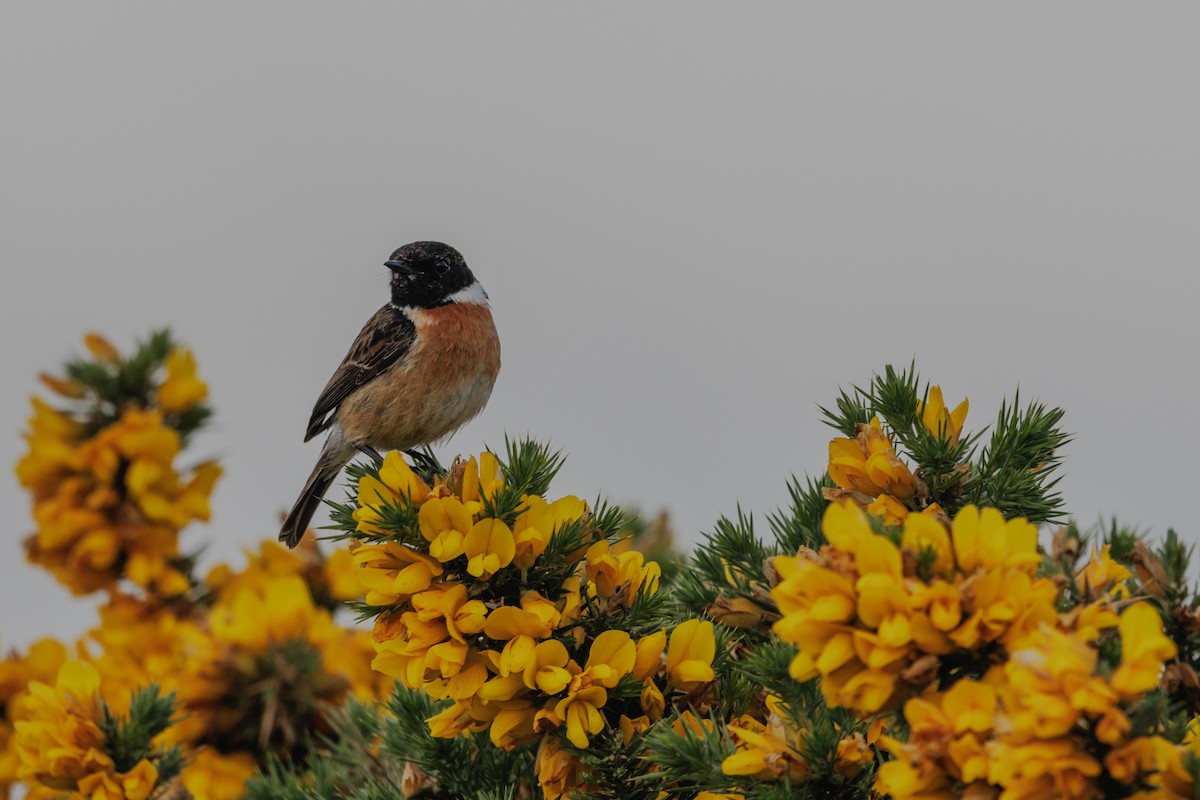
(403, 267)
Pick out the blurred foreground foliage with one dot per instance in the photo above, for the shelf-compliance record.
(897, 629)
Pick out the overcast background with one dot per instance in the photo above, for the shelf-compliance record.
(695, 221)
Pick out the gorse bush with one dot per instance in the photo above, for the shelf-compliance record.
(186, 683)
(902, 628)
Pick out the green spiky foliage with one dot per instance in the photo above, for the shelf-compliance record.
(1014, 470)
(386, 753)
(272, 704)
(688, 758)
(731, 569)
(129, 738)
(730, 574)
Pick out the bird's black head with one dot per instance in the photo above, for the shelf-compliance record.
(427, 274)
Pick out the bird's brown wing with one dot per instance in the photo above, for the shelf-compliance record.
(386, 337)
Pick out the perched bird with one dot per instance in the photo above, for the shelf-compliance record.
(420, 369)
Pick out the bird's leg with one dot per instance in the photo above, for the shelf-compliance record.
(426, 466)
(422, 461)
(371, 453)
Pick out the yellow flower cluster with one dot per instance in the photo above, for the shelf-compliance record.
(109, 503)
(139, 644)
(1004, 695)
(253, 672)
(460, 620)
(61, 747)
(1046, 723)
(247, 669)
(772, 748)
(867, 466)
(868, 471)
(331, 579)
(869, 615)
(17, 672)
(767, 751)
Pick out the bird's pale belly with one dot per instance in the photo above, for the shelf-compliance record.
(437, 388)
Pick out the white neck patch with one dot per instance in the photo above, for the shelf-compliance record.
(473, 294)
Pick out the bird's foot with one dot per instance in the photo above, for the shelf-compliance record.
(426, 465)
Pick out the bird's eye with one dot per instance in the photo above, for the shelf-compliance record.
(442, 267)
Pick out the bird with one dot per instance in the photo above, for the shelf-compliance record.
(421, 368)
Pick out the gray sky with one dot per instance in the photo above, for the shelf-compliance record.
(695, 221)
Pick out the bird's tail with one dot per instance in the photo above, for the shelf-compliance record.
(307, 503)
(334, 456)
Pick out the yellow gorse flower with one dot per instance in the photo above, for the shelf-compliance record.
(557, 770)
(100, 347)
(445, 523)
(581, 712)
(481, 480)
(489, 546)
(62, 387)
(984, 539)
(275, 611)
(547, 670)
(939, 420)
(391, 571)
(922, 533)
(627, 571)
(690, 654)
(182, 389)
(218, 776)
(763, 755)
(1102, 573)
(539, 522)
(1144, 648)
(396, 481)
(334, 575)
(889, 509)
(868, 464)
(612, 656)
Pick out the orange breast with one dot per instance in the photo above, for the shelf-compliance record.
(442, 383)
